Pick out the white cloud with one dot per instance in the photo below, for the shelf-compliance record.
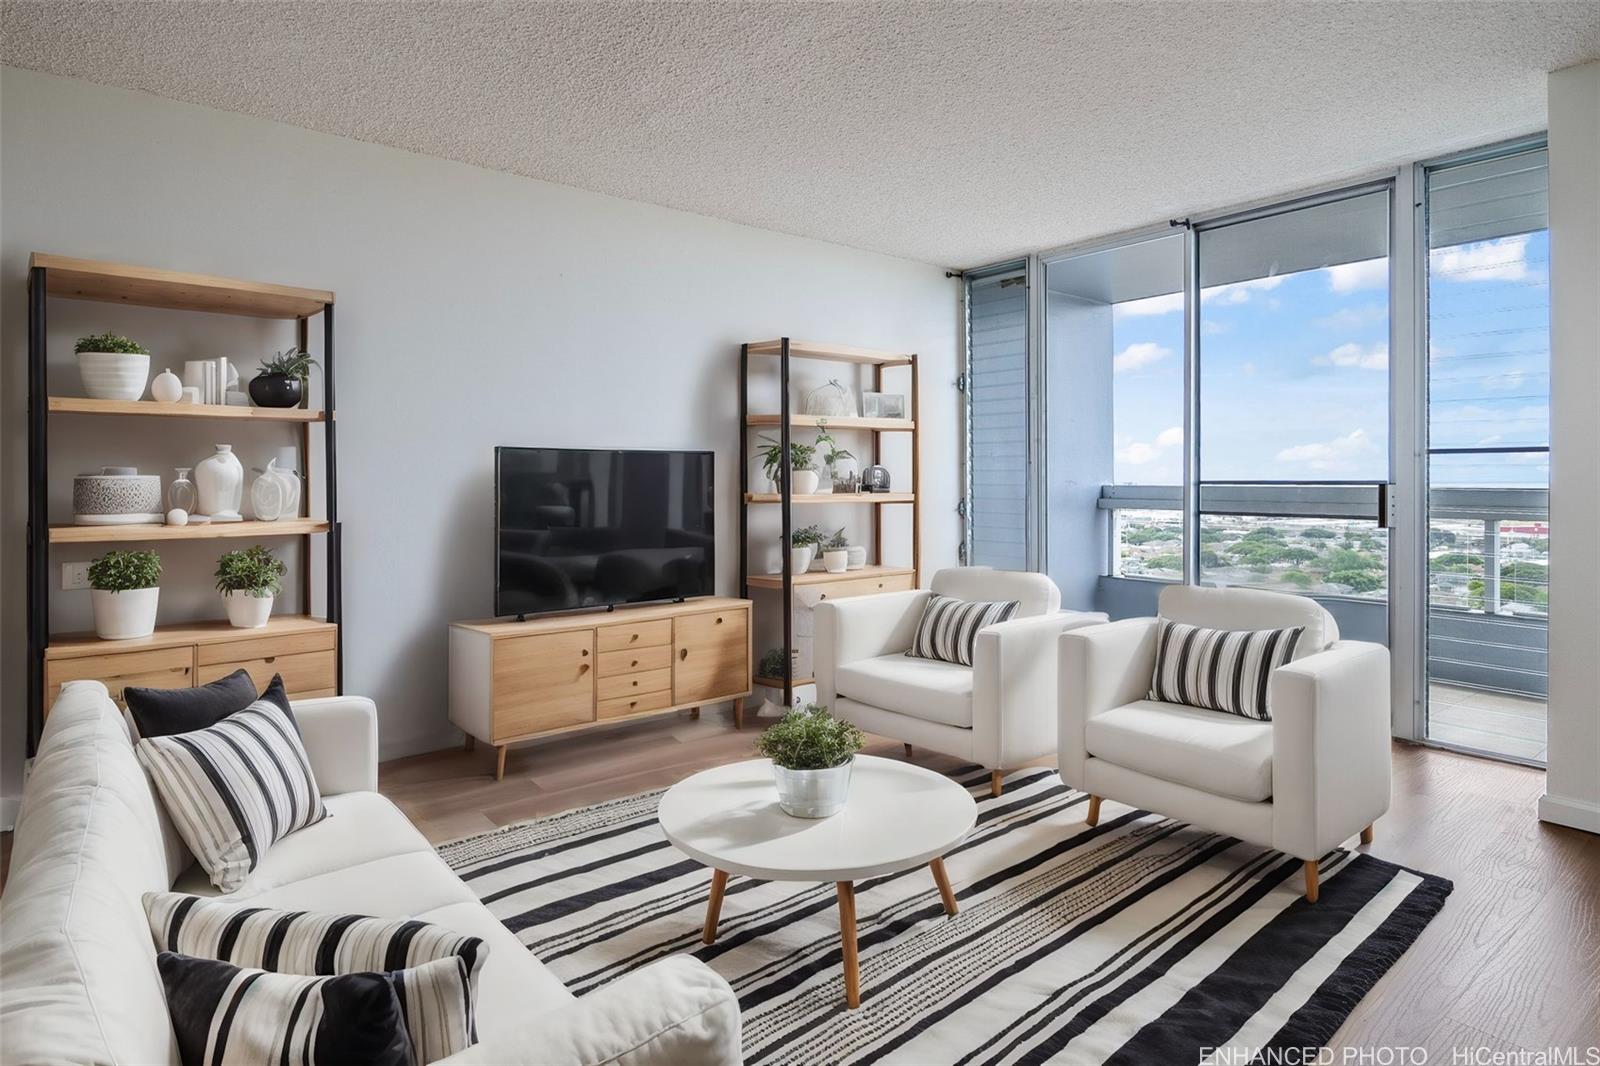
(1170, 437)
(1363, 356)
(1154, 305)
(1135, 356)
(1352, 277)
(1354, 317)
(1330, 455)
(1503, 259)
(1239, 292)
(1140, 453)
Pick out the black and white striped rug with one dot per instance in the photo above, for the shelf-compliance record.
(1142, 940)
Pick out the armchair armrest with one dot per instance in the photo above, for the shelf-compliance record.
(1330, 740)
(1014, 677)
(862, 627)
(677, 1010)
(341, 738)
(1101, 667)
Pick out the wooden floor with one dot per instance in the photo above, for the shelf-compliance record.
(1512, 962)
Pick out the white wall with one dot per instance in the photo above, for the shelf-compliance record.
(1572, 795)
(474, 309)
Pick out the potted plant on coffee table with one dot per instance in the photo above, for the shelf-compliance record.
(812, 754)
(282, 380)
(249, 579)
(124, 589)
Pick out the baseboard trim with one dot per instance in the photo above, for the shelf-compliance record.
(1572, 813)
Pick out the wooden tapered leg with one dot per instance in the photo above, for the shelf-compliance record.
(1366, 835)
(738, 714)
(694, 712)
(997, 782)
(500, 763)
(1093, 817)
(719, 881)
(1311, 880)
(847, 940)
(470, 743)
(942, 879)
(908, 751)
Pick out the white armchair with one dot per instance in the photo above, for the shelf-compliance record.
(1302, 783)
(999, 712)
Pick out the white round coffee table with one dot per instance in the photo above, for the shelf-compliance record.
(898, 816)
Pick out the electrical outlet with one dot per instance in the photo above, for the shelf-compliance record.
(74, 576)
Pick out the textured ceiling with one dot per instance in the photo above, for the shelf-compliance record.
(955, 133)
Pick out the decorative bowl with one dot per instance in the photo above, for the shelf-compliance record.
(112, 493)
(114, 375)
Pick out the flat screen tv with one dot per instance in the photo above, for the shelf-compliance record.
(577, 528)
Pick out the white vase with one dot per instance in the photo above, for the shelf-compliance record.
(800, 559)
(219, 482)
(805, 482)
(166, 388)
(124, 615)
(246, 611)
(114, 375)
(274, 494)
(858, 556)
(836, 560)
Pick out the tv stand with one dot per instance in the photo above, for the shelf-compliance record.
(522, 680)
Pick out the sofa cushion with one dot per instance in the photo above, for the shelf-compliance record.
(1236, 608)
(922, 688)
(162, 712)
(948, 629)
(1225, 670)
(1223, 754)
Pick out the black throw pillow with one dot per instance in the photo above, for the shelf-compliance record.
(163, 712)
(222, 1013)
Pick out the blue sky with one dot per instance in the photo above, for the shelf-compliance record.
(1294, 372)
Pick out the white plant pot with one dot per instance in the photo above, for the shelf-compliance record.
(858, 556)
(800, 559)
(836, 560)
(246, 611)
(114, 375)
(805, 482)
(124, 615)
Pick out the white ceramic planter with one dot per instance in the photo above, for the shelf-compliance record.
(246, 611)
(800, 559)
(836, 560)
(114, 375)
(858, 556)
(124, 615)
(805, 482)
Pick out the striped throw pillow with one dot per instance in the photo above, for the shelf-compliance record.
(235, 788)
(1220, 669)
(311, 944)
(948, 629)
(240, 1016)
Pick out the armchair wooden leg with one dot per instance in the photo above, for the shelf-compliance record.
(997, 782)
(1093, 818)
(1366, 835)
(908, 751)
(470, 743)
(500, 762)
(738, 714)
(1311, 880)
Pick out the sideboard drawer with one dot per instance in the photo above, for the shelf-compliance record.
(308, 673)
(623, 706)
(157, 668)
(247, 647)
(639, 635)
(616, 663)
(868, 586)
(633, 684)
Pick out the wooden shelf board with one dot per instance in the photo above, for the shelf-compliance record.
(822, 577)
(83, 405)
(834, 497)
(89, 279)
(777, 682)
(879, 425)
(840, 353)
(284, 527)
(74, 645)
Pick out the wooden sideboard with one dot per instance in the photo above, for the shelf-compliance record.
(303, 650)
(514, 681)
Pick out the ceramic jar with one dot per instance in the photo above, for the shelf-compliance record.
(246, 611)
(114, 375)
(125, 615)
(219, 482)
(167, 387)
(805, 482)
(275, 494)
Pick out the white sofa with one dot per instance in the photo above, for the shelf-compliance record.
(78, 979)
(1302, 783)
(998, 713)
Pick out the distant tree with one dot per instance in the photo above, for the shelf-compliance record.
(1356, 580)
(1164, 562)
(1298, 577)
(1440, 538)
(1532, 595)
(1264, 533)
(1318, 533)
(1212, 559)
(1456, 563)
(1210, 534)
(1298, 555)
(1525, 573)
(1349, 559)
(1146, 534)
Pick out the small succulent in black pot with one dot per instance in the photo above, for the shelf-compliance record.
(282, 380)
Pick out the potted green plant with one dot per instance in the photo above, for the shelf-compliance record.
(832, 457)
(836, 553)
(282, 380)
(249, 579)
(112, 366)
(124, 588)
(800, 457)
(772, 663)
(812, 754)
(804, 543)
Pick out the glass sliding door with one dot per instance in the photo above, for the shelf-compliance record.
(1293, 403)
(998, 413)
(1488, 425)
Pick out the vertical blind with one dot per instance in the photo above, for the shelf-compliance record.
(997, 420)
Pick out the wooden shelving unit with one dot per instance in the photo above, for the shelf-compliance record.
(71, 278)
(876, 576)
